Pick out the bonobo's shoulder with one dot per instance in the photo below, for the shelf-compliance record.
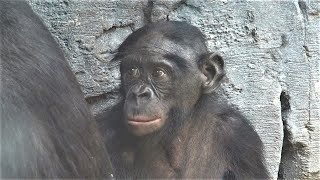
(228, 113)
(221, 112)
(109, 123)
(110, 118)
(230, 124)
(239, 141)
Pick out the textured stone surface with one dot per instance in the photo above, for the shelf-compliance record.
(271, 49)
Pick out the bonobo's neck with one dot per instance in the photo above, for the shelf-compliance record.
(208, 103)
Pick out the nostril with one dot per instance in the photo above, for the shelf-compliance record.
(144, 94)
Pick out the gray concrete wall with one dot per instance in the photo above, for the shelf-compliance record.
(271, 49)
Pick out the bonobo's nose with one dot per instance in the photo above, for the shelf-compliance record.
(141, 93)
(144, 93)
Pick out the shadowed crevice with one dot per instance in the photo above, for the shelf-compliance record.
(286, 145)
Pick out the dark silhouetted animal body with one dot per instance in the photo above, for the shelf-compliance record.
(47, 130)
(168, 124)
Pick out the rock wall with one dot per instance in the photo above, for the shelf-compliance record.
(271, 49)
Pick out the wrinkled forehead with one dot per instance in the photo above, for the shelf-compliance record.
(147, 58)
(150, 48)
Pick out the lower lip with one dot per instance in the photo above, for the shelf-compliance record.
(138, 123)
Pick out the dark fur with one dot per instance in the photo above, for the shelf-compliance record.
(47, 130)
(201, 138)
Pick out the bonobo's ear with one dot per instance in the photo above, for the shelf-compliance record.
(212, 66)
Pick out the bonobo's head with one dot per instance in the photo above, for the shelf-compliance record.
(165, 66)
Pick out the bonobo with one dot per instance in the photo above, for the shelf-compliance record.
(47, 130)
(168, 123)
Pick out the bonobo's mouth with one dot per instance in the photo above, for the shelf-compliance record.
(143, 125)
(143, 121)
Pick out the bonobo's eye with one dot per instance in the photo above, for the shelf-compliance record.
(134, 72)
(159, 74)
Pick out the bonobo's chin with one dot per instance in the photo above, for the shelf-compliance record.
(141, 125)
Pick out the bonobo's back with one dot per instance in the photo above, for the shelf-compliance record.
(47, 130)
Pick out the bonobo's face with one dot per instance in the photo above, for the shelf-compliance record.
(165, 68)
(154, 84)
